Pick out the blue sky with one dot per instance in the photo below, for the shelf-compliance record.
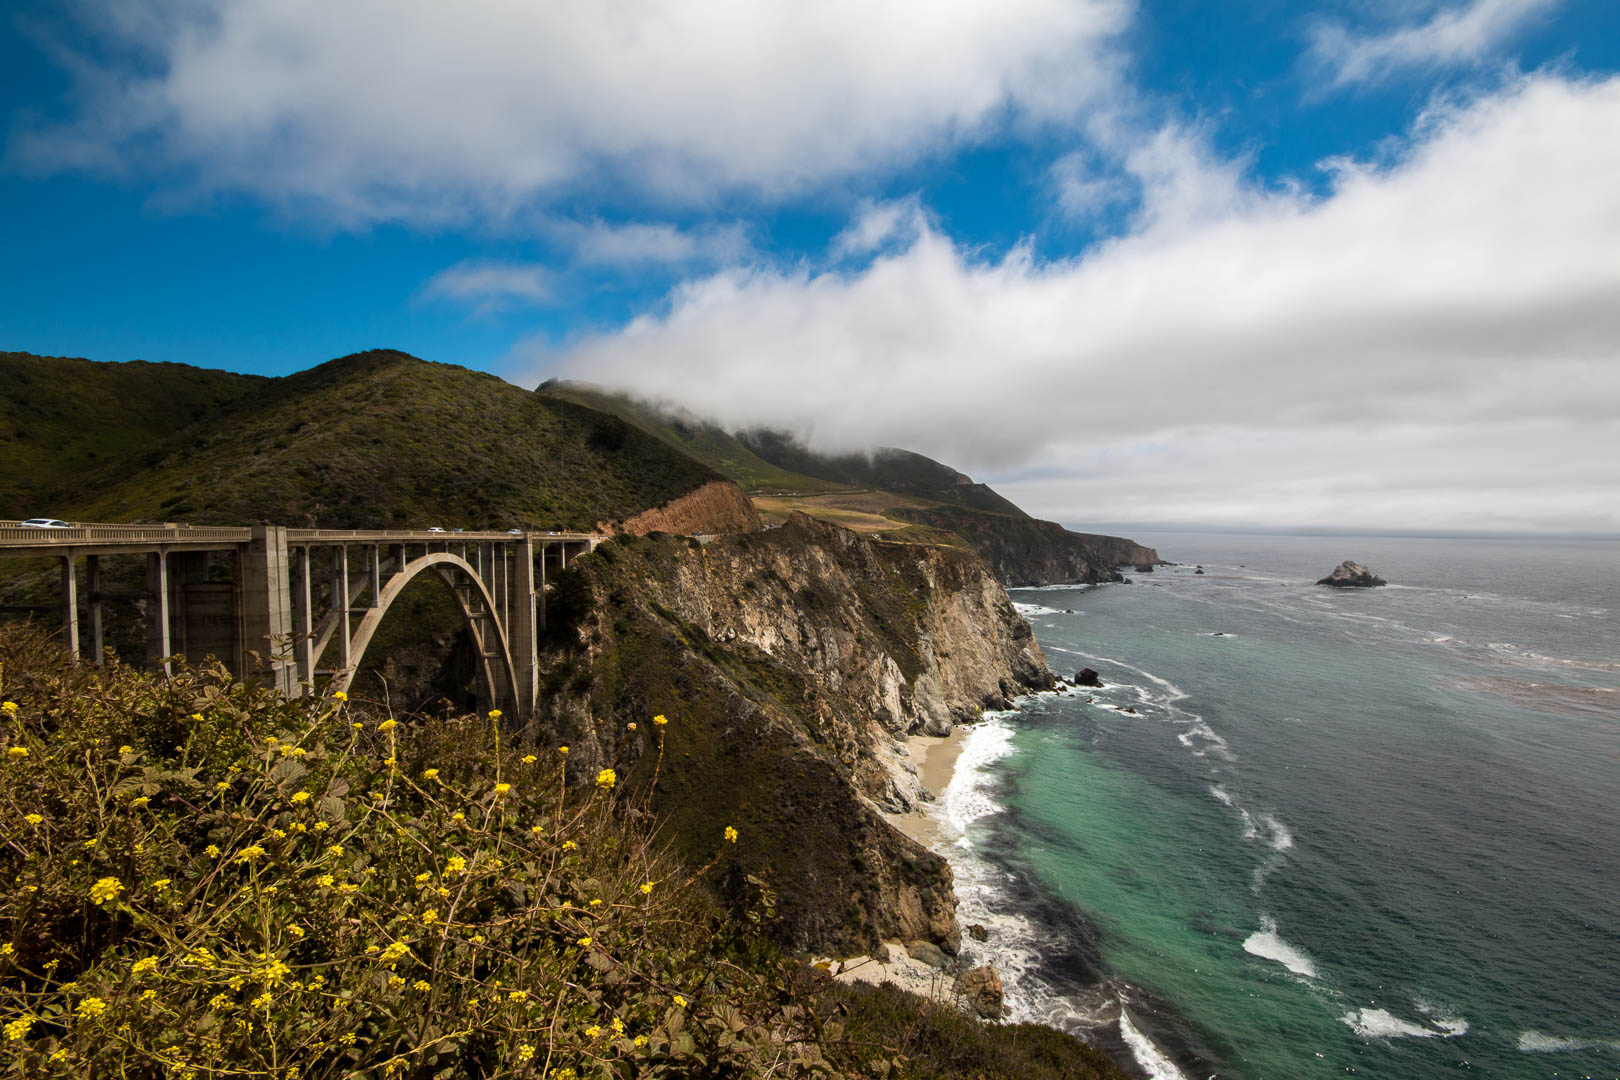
(1235, 263)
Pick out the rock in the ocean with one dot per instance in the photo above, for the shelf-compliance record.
(1352, 575)
(1087, 677)
(1200, 570)
(1145, 568)
(978, 933)
(981, 987)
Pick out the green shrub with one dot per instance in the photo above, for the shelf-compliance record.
(203, 879)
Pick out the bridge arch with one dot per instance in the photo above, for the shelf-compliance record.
(478, 610)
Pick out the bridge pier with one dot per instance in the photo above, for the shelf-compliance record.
(70, 605)
(159, 647)
(264, 601)
(98, 641)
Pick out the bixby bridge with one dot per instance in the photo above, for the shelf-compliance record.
(297, 608)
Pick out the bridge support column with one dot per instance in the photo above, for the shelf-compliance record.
(98, 644)
(305, 620)
(266, 608)
(159, 646)
(70, 606)
(521, 631)
(340, 602)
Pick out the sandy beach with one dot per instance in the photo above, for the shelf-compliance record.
(935, 757)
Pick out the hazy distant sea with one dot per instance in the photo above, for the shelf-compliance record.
(1368, 831)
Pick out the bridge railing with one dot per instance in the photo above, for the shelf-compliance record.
(124, 534)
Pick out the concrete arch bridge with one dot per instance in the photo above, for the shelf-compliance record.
(298, 607)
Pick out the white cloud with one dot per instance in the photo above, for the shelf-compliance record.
(878, 224)
(632, 244)
(1436, 333)
(423, 110)
(1463, 33)
(491, 286)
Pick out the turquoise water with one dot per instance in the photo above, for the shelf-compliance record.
(1370, 831)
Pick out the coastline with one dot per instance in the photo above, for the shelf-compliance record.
(935, 758)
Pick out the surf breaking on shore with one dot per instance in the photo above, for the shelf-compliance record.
(957, 769)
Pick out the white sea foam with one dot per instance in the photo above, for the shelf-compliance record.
(1034, 609)
(967, 797)
(1266, 944)
(1150, 1057)
(1382, 1024)
(1281, 838)
(1539, 1042)
(1224, 797)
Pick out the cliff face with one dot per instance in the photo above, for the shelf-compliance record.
(718, 507)
(791, 664)
(1028, 551)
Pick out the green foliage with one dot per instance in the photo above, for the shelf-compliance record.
(373, 440)
(202, 878)
(63, 419)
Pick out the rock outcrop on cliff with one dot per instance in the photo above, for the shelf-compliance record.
(1027, 551)
(1352, 575)
(791, 665)
(718, 507)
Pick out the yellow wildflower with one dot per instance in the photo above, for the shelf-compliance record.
(295, 930)
(618, 1026)
(18, 1028)
(458, 817)
(529, 759)
(646, 888)
(454, 865)
(525, 1052)
(106, 889)
(660, 720)
(335, 850)
(17, 752)
(126, 749)
(270, 970)
(221, 786)
(396, 981)
(212, 851)
(143, 965)
(731, 834)
(324, 881)
(197, 716)
(495, 714)
(91, 1007)
(338, 695)
(138, 802)
(148, 994)
(300, 796)
(640, 1040)
(271, 740)
(395, 952)
(8, 707)
(430, 916)
(596, 903)
(32, 819)
(562, 750)
(606, 779)
(249, 853)
(502, 789)
(677, 999)
(7, 949)
(569, 845)
(422, 984)
(592, 1032)
(519, 995)
(322, 826)
(388, 725)
(160, 884)
(262, 1001)
(430, 774)
(584, 941)
(423, 878)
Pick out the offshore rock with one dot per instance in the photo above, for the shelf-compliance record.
(1087, 677)
(792, 664)
(1352, 575)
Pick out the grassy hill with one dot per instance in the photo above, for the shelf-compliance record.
(375, 439)
(701, 439)
(62, 419)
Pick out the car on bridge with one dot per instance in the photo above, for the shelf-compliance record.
(44, 523)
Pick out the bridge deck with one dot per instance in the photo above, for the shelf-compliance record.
(134, 539)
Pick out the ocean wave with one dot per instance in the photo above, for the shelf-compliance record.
(1150, 1057)
(1539, 1042)
(1281, 838)
(968, 797)
(1224, 797)
(1383, 1024)
(1034, 609)
(1266, 944)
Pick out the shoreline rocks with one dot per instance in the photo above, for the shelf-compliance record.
(1352, 575)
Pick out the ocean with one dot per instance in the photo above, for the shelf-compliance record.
(1305, 832)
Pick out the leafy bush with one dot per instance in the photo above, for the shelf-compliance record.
(203, 879)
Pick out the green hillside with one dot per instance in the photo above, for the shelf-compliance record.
(376, 439)
(62, 419)
(887, 469)
(703, 440)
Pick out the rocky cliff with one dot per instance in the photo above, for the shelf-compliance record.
(718, 507)
(1027, 551)
(791, 664)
